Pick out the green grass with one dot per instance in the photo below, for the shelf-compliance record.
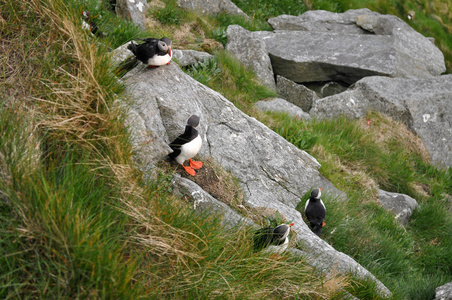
(357, 160)
(77, 220)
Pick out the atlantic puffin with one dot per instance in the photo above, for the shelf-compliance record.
(277, 237)
(315, 211)
(187, 145)
(153, 52)
(88, 23)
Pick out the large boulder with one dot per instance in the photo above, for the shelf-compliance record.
(212, 7)
(134, 10)
(423, 105)
(251, 52)
(272, 172)
(295, 93)
(324, 46)
(401, 205)
(444, 292)
(321, 20)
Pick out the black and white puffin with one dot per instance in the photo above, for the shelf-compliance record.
(187, 145)
(88, 23)
(277, 237)
(315, 211)
(153, 52)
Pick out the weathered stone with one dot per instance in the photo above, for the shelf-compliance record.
(297, 94)
(252, 53)
(423, 105)
(321, 20)
(444, 292)
(281, 105)
(212, 7)
(190, 57)
(338, 47)
(272, 172)
(401, 205)
(133, 10)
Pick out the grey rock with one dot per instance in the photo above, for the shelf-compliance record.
(401, 205)
(444, 292)
(251, 52)
(423, 105)
(203, 201)
(321, 261)
(281, 105)
(321, 20)
(272, 172)
(349, 46)
(121, 54)
(212, 7)
(190, 57)
(134, 10)
(297, 94)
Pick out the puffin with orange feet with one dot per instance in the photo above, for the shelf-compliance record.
(315, 211)
(187, 145)
(153, 52)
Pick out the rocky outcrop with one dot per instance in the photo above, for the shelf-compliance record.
(444, 292)
(190, 57)
(212, 7)
(295, 93)
(272, 172)
(401, 205)
(423, 105)
(134, 10)
(251, 52)
(350, 46)
(281, 105)
(324, 46)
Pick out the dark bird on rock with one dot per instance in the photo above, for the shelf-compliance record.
(153, 52)
(273, 236)
(315, 211)
(88, 23)
(187, 145)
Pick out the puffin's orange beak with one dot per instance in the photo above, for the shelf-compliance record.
(291, 224)
(169, 51)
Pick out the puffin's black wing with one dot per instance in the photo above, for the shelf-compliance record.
(144, 51)
(189, 134)
(315, 213)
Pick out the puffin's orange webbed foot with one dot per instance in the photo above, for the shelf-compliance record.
(189, 170)
(323, 224)
(195, 164)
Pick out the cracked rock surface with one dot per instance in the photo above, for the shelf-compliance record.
(272, 172)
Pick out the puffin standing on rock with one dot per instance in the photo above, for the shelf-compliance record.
(277, 237)
(315, 211)
(187, 145)
(153, 52)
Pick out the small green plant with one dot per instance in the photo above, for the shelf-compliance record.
(204, 71)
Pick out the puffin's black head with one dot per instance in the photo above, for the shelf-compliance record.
(193, 121)
(282, 231)
(316, 193)
(164, 45)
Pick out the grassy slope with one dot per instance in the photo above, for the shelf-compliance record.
(78, 222)
(76, 219)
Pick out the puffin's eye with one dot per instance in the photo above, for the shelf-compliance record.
(162, 46)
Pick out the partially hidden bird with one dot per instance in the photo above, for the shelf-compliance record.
(276, 237)
(187, 145)
(315, 211)
(153, 52)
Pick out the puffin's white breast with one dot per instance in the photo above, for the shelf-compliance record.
(189, 149)
(159, 60)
